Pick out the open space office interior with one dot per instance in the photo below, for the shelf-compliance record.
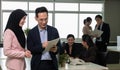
(68, 16)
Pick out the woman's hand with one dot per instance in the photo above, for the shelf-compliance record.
(28, 54)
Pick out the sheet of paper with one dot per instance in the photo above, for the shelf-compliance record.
(76, 61)
(97, 32)
(50, 44)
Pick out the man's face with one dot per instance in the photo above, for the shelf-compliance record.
(98, 20)
(42, 19)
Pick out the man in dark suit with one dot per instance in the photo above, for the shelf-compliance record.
(103, 40)
(37, 42)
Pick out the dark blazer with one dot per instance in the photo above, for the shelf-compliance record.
(106, 33)
(35, 46)
(77, 50)
(90, 55)
(105, 37)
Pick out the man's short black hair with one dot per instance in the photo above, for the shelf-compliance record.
(40, 10)
(98, 16)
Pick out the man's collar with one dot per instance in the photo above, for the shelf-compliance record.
(42, 29)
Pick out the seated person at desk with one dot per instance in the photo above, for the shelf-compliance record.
(90, 54)
(73, 49)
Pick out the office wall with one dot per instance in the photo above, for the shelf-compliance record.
(112, 16)
(0, 20)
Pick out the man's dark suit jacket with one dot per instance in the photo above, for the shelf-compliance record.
(105, 37)
(35, 46)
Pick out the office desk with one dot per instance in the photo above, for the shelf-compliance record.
(86, 66)
(113, 48)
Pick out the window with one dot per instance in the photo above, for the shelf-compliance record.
(66, 17)
(11, 5)
(66, 7)
(5, 19)
(34, 5)
(72, 22)
(91, 7)
(32, 22)
(66, 24)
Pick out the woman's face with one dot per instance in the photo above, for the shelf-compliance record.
(84, 44)
(87, 23)
(70, 40)
(22, 21)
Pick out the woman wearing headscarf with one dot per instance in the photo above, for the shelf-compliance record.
(14, 41)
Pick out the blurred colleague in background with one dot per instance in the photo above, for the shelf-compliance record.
(87, 28)
(74, 50)
(103, 40)
(90, 54)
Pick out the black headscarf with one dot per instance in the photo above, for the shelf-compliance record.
(13, 24)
